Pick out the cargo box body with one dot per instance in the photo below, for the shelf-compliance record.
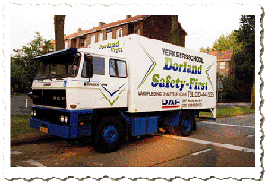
(163, 76)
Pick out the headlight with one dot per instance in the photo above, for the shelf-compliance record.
(33, 112)
(65, 119)
(62, 118)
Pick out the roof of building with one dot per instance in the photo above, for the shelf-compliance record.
(222, 55)
(109, 25)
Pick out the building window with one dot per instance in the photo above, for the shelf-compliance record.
(137, 30)
(66, 45)
(85, 43)
(82, 44)
(222, 65)
(118, 68)
(100, 37)
(119, 33)
(92, 39)
(109, 35)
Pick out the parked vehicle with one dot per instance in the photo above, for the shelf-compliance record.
(124, 87)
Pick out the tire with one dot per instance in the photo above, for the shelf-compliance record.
(108, 135)
(186, 123)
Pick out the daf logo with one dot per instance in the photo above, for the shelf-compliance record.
(170, 104)
(47, 84)
(58, 98)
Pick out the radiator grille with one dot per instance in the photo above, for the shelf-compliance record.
(55, 98)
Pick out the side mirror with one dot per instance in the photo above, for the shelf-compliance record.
(89, 68)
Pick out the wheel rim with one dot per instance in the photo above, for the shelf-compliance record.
(110, 134)
(186, 125)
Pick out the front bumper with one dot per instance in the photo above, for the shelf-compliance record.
(47, 120)
(54, 129)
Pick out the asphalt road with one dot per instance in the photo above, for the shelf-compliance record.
(20, 104)
(228, 142)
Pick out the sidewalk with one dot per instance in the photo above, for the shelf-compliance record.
(20, 104)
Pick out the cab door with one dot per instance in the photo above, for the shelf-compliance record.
(117, 89)
(95, 78)
(106, 82)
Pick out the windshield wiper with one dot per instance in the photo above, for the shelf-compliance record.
(59, 77)
(42, 78)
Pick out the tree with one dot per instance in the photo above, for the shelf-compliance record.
(245, 58)
(59, 31)
(224, 42)
(205, 50)
(23, 68)
(175, 30)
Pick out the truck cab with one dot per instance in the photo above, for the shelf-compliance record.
(65, 76)
(73, 87)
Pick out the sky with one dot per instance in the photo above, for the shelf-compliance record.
(203, 24)
(202, 30)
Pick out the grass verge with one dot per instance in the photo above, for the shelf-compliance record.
(20, 128)
(222, 112)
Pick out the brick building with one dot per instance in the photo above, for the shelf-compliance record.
(225, 62)
(158, 27)
(225, 66)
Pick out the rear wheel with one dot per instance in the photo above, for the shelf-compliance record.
(109, 134)
(186, 123)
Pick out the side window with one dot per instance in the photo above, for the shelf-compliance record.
(112, 68)
(118, 68)
(85, 70)
(99, 65)
(95, 63)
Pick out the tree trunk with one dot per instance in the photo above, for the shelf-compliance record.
(253, 95)
(59, 31)
(175, 30)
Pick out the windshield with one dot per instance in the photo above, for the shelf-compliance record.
(59, 68)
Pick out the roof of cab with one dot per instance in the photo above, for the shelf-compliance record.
(65, 52)
(102, 52)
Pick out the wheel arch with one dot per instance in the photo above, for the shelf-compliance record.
(100, 114)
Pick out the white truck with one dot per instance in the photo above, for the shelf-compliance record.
(123, 87)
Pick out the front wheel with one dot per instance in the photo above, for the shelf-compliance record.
(109, 134)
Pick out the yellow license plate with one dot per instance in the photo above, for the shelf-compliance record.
(45, 130)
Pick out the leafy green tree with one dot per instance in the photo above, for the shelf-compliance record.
(230, 87)
(23, 68)
(245, 58)
(205, 50)
(224, 42)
